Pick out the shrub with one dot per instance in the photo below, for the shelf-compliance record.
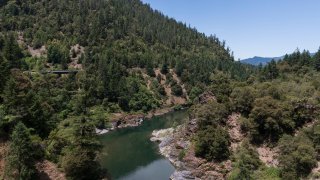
(211, 114)
(242, 99)
(212, 144)
(182, 154)
(177, 90)
(270, 118)
(246, 161)
(297, 156)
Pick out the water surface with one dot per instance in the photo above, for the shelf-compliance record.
(128, 153)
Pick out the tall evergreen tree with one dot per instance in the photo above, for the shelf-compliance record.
(316, 60)
(12, 52)
(20, 160)
(79, 161)
(4, 73)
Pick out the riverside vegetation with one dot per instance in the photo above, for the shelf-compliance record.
(117, 48)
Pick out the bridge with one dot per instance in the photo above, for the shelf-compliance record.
(60, 72)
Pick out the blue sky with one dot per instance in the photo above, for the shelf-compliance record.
(251, 27)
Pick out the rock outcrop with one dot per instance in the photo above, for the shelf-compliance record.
(176, 146)
(206, 97)
(268, 155)
(234, 129)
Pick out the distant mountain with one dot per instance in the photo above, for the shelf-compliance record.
(263, 60)
(257, 60)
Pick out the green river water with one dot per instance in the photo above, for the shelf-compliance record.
(128, 153)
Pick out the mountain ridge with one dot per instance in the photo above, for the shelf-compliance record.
(256, 60)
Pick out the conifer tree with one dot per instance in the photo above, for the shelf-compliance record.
(79, 161)
(20, 160)
(4, 72)
(317, 60)
(12, 52)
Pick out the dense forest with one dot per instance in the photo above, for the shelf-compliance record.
(121, 56)
(279, 108)
(112, 46)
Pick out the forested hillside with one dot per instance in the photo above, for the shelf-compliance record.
(267, 126)
(120, 56)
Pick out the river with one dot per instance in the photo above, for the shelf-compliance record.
(128, 153)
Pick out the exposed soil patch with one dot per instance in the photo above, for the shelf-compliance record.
(3, 151)
(172, 99)
(268, 155)
(35, 52)
(76, 52)
(178, 80)
(206, 97)
(234, 129)
(49, 171)
(163, 77)
(316, 170)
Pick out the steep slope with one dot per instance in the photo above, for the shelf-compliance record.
(113, 36)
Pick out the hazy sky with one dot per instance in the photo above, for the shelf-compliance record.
(251, 27)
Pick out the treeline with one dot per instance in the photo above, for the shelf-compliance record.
(275, 106)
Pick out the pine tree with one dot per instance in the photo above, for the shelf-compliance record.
(270, 71)
(79, 161)
(12, 52)
(20, 160)
(164, 68)
(317, 60)
(150, 70)
(16, 96)
(4, 72)
(179, 68)
(305, 59)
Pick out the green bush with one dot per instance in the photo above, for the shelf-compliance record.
(267, 173)
(211, 114)
(212, 143)
(242, 99)
(177, 90)
(246, 161)
(270, 119)
(182, 154)
(297, 156)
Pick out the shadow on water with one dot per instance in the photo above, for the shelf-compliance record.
(129, 154)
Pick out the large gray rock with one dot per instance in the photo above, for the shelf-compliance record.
(182, 175)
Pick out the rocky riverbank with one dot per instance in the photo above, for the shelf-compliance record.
(121, 120)
(176, 145)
